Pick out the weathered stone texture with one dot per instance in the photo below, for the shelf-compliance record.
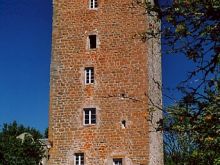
(154, 95)
(119, 92)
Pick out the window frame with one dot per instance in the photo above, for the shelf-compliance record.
(89, 75)
(91, 116)
(93, 4)
(81, 159)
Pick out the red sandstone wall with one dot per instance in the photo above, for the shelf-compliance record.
(120, 64)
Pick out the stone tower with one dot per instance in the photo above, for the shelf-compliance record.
(101, 77)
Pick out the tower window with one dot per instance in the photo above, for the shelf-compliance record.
(92, 41)
(117, 161)
(89, 116)
(93, 4)
(123, 123)
(89, 75)
(79, 159)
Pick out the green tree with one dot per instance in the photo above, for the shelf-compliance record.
(192, 125)
(20, 151)
(193, 130)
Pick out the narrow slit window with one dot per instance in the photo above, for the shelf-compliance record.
(92, 41)
(89, 116)
(123, 122)
(89, 75)
(93, 4)
(79, 159)
(117, 161)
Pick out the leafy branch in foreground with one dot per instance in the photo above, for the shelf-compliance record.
(195, 129)
(191, 126)
(191, 28)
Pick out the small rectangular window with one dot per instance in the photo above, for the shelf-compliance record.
(89, 116)
(79, 159)
(92, 41)
(117, 161)
(93, 4)
(89, 75)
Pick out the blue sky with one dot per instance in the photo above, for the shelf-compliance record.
(25, 43)
(25, 49)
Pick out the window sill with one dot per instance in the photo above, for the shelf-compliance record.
(89, 125)
(93, 9)
(92, 50)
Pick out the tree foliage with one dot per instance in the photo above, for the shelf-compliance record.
(192, 125)
(191, 28)
(14, 150)
(193, 130)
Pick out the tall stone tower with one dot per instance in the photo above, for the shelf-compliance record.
(102, 75)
